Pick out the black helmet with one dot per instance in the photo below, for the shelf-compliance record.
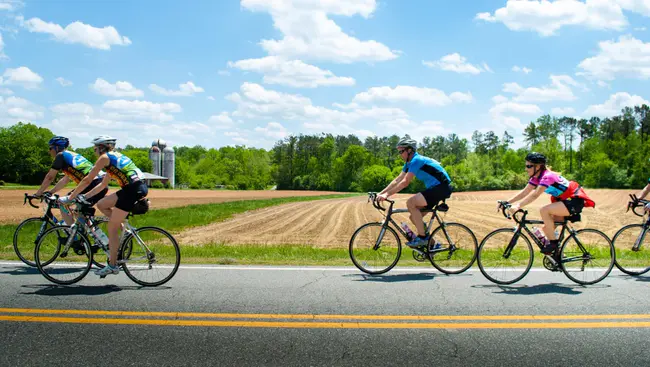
(536, 158)
(407, 142)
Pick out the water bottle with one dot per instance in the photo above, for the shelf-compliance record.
(408, 231)
(539, 234)
(100, 236)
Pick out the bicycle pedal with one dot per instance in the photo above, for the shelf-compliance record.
(102, 276)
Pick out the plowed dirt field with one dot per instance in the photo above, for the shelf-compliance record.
(330, 223)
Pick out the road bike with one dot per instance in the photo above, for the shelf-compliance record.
(376, 247)
(505, 256)
(150, 256)
(631, 241)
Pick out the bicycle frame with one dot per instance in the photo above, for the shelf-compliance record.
(639, 203)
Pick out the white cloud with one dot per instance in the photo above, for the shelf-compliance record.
(223, 72)
(125, 109)
(77, 32)
(615, 104)
(629, 57)
(3, 56)
(458, 64)
(309, 33)
(523, 69)
(185, 90)
(506, 112)
(292, 73)
(23, 77)
(119, 89)
(63, 82)
(273, 130)
(640, 29)
(14, 109)
(73, 109)
(221, 121)
(559, 90)
(211, 98)
(426, 96)
(547, 17)
(11, 5)
(563, 111)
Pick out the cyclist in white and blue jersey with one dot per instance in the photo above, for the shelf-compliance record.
(427, 170)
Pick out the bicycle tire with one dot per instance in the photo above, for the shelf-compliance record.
(524, 255)
(371, 241)
(625, 255)
(52, 237)
(462, 255)
(23, 248)
(127, 250)
(607, 253)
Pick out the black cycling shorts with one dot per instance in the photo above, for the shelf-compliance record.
(574, 205)
(435, 194)
(129, 194)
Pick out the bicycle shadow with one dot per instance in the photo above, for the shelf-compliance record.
(19, 270)
(392, 277)
(527, 290)
(85, 290)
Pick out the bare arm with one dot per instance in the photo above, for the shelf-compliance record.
(49, 177)
(99, 187)
(533, 196)
(101, 163)
(644, 192)
(400, 185)
(394, 183)
(61, 184)
(523, 193)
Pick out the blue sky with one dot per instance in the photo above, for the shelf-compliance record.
(250, 72)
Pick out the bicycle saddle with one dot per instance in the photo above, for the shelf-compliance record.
(573, 218)
(442, 207)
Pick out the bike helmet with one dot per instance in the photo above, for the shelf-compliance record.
(536, 158)
(407, 142)
(59, 142)
(104, 140)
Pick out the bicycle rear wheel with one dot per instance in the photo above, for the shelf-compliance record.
(460, 246)
(632, 250)
(587, 256)
(150, 256)
(500, 266)
(100, 259)
(26, 237)
(374, 249)
(69, 263)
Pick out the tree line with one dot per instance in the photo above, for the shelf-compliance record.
(611, 152)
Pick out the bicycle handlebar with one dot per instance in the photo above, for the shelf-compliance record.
(372, 196)
(636, 203)
(505, 206)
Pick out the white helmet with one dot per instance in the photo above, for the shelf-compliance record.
(104, 140)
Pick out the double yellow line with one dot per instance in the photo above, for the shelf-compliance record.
(307, 321)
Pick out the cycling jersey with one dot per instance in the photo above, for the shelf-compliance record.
(122, 169)
(74, 165)
(427, 170)
(560, 188)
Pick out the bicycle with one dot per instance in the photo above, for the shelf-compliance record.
(499, 254)
(57, 242)
(632, 256)
(375, 247)
(29, 231)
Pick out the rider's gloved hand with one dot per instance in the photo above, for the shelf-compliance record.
(647, 207)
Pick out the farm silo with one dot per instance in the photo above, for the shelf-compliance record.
(154, 156)
(168, 165)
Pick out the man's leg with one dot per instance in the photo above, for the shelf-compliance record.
(414, 204)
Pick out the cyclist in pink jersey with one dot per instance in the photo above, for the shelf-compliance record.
(567, 197)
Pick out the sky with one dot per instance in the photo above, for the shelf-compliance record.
(252, 72)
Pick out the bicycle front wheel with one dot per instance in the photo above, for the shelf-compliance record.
(632, 249)
(375, 249)
(502, 263)
(459, 247)
(150, 256)
(69, 262)
(26, 237)
(587, 256)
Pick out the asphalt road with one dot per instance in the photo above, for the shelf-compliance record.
(235, 316)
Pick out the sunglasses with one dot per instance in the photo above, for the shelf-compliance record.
(530, 165)
(400, 151)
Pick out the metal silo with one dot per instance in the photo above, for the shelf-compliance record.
(154, 156)
(168, 165)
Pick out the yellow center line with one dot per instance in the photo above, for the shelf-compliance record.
(327, 325)
(177, 315)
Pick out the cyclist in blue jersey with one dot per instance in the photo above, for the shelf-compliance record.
(74, 166)
(118, 205)
(641, 195)
(435, 178)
